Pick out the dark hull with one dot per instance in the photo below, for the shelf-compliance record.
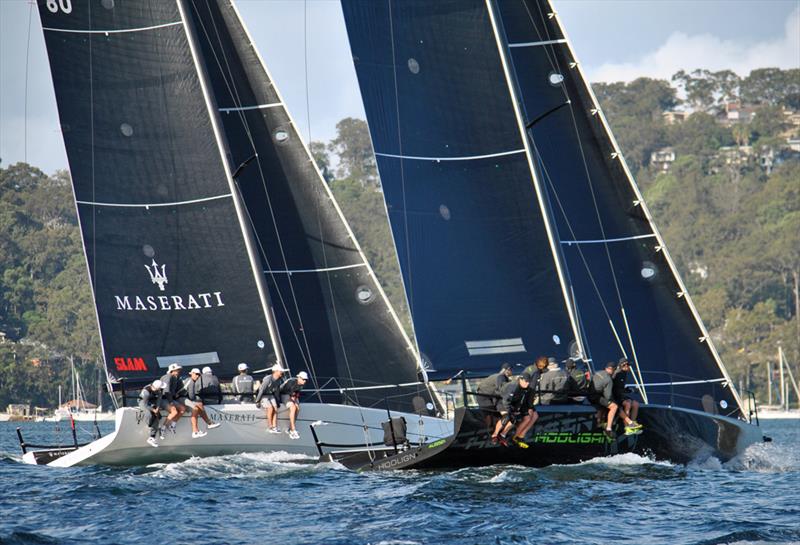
(569, 434)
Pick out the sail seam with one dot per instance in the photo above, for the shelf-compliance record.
(464, 158)
(534, 44)
(326, 269)
(148, 205)
(604, 240)
(256, 107)
(115, 31)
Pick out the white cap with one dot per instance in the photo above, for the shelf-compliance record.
(157, 385)
(303, 375)
(243, 366)
(277, 367)
(207, 370)
(194, 370)
(174, 367)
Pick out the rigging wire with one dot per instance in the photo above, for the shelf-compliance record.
(27, 56)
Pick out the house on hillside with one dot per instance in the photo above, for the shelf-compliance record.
(661, 159)
(791, 118)
(736, 112)
(673, 117)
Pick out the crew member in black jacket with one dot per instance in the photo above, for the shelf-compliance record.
(516, 409)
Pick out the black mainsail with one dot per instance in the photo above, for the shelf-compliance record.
(446, 86)
(211, 237)
(476, 250)
(168, 258)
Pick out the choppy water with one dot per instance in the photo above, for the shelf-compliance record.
(288, 499)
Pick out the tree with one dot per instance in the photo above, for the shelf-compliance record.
(354, 150)
(706, 90)
(770, 85)
(319, 151)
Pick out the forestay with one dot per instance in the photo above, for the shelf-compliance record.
(477, 260)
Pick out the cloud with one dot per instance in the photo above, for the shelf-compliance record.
(682, 51)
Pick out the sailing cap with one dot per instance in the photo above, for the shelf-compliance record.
(611, 365)
(157, 385)
(194, 370)
(206, 370)
(505, 366)
(174, 367)
(551, 361)
(277, 367)
(242, 366)
(526, 376)
(623, 360)
(303, 375)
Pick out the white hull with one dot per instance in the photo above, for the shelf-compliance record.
(79, 417)
(5, 417)
(243, 430)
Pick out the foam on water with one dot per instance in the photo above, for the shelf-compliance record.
(627, 459)
(251, 465)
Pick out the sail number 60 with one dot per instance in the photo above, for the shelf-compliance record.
(65, 5)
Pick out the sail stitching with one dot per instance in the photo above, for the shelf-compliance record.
(110, 31)
(463, 158)
(157, 204)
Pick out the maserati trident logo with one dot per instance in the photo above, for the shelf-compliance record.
(183, 301)
(156, 276)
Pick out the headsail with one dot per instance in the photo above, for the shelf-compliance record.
(629, 296)
(167, 257)
(477, 259)
(334, 319)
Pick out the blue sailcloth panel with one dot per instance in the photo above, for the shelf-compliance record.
(166, 255)
(332, 319)
(478, 269)
(612, 253)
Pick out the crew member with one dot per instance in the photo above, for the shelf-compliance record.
(489, 393)
(629, 407)
(175, 394)
(194, 387)
(290, 396)
(555, 385)
(270, 393)
(243, 384)
(580, 376)
(536, 371)
(516, 409)
(210, 392)
(151, 402)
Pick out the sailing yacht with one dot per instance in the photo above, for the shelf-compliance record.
(521, 232)
(211, 237)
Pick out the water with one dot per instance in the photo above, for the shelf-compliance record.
(281, 498)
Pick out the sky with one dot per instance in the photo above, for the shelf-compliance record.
(304, 44)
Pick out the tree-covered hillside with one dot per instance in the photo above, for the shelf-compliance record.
(723, 184)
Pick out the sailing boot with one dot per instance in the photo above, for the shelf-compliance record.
(519, 442)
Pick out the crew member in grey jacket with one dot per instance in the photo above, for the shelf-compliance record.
(243, 384)
(270, 392)
(151, 401)
(602, 395)
(194, 387)
(555, 385)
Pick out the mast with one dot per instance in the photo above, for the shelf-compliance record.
(704, 337)
(224, 153)
(512, 91)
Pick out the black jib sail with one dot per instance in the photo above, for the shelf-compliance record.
(169, 263)
(629, 296)
(475, 248)
(333, 317)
